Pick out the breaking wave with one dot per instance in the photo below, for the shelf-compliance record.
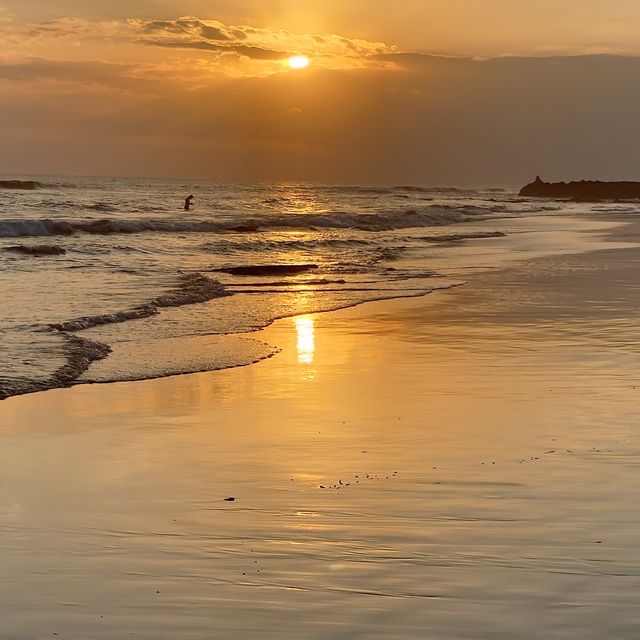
(257, 245)
(20, 185)
(364, 190)
(44, 227)
(192, 288)
(432, 216)
(81, 353)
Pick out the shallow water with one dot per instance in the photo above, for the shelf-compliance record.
(479, 452)
(128, 243)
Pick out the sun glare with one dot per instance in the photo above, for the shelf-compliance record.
(299, 62)
(305, 330)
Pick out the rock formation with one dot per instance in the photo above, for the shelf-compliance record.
(587, 190)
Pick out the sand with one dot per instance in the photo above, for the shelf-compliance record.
(478, 450)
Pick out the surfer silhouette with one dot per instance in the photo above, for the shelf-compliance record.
(188, 201)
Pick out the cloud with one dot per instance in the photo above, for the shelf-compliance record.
(162, 26)
(84, 72)
(65, 77)
(194, 27)
(262, 43)
(258, 51)
(249, 51)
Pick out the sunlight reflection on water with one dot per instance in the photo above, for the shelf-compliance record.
(305, 330)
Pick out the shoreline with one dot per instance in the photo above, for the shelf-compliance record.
(98, 351)
(459, 464)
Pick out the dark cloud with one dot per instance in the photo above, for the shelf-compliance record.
(259, 53)
(214, 33)
(200, 45)
(239, 34)
(248, 51)
(163, 26)
(193, 27)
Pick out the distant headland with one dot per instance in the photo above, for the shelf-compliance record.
(588, 190)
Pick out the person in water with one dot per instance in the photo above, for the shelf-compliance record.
(187, 203)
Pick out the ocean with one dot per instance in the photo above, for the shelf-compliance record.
(134, 287)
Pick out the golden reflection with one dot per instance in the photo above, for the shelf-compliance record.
(292, 198)
(305, 330)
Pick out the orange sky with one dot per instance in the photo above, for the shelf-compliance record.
(202, 89)
(468, 27)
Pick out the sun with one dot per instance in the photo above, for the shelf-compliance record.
(299, 62)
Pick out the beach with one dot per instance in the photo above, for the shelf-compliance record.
(459, 465)
(107, 280)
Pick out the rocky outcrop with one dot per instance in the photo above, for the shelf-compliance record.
(586, 190)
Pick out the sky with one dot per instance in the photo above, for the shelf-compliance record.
(411, 92)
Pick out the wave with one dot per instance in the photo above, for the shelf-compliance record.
(432, 216)
(80, 354)
(459, 237)
(258, 245)
(261, 245)
(37, 250)
(22, 185)
(35, 228)
(101, 206)
(177, 356)
(386, 254)
(192, 288)
(361, 190)
(412, 189)
(33, 185)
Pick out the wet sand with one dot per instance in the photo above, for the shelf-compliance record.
(459, 466)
